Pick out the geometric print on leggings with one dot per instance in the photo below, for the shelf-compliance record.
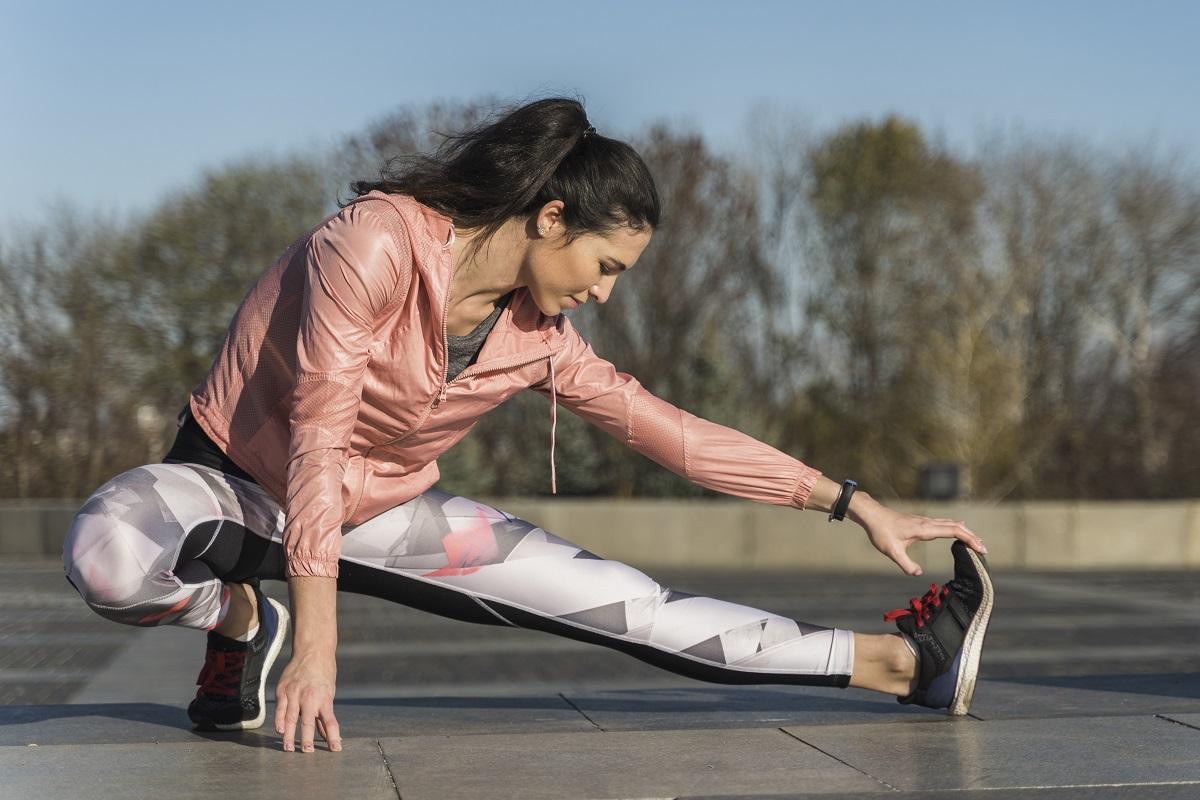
(123, 545)
(505, 562)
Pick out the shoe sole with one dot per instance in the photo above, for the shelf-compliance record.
(272, 654)
(968, 667)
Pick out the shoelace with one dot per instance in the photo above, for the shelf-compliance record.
(222, 672)
(921, 607)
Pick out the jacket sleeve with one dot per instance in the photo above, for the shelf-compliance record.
(353, 271)
(709, 455)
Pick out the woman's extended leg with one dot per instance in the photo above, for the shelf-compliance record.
(464, 559)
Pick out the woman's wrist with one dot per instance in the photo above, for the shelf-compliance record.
(862, 507)
(823, 495)
(314, 608)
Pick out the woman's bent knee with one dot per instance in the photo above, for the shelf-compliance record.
(120, 552)
(99, 560)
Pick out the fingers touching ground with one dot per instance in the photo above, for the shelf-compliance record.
(311, 714)
(330, 731)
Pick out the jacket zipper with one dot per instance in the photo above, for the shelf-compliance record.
(441, 394)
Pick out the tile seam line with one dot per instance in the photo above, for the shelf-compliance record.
(1174, 721)
(579, 710)
(880, 781)
(388, 768)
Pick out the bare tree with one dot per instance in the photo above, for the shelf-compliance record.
(1154, 283)
(61, 366)
(1098, 263)
(1047, 244)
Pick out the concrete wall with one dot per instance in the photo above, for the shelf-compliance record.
(736, 534)
(34, 528)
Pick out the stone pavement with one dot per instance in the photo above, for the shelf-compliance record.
(1091, 688)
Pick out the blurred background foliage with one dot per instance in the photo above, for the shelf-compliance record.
(863, 298)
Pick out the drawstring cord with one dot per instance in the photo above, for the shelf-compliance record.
(553, 425)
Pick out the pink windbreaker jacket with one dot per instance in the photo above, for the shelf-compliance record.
(330, 387)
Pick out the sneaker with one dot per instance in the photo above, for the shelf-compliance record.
(234, 679)
(947, 626)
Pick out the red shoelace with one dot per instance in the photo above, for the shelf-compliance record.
(921, 607)
(222, 673)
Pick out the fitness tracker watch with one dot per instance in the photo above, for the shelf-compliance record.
(843, 501)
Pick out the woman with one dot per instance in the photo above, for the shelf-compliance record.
(371, 347)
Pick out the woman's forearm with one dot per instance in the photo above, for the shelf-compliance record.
(825, 494)
(314, 608)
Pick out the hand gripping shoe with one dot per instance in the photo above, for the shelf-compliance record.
(234, 679)
(948, 625)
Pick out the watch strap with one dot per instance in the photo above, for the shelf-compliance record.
(843, 501)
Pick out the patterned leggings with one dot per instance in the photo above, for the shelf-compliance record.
(156, 546)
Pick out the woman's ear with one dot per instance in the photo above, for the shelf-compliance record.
(549, 218)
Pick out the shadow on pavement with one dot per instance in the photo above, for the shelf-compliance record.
(150, 713)
(549, 702)
(100, 723)
(701, 700)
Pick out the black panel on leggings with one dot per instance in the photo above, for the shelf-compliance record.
(413, 593)
(193, 446)
(221, 548)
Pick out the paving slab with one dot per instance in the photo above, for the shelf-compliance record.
(177, 655)
(739, 707)
(1019, 753)
(1087, 696)
(640, 764)
(100, 723)
(204, 769)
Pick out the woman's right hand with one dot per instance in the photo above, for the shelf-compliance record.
(305, 695)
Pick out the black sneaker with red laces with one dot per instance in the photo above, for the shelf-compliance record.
(233, 681)
(948, 626)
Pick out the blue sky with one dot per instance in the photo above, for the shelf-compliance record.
(111, 105)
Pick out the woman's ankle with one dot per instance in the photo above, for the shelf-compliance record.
(884, 663)
(907, 664)
(241, 616)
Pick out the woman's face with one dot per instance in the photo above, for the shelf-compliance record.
(562, 278)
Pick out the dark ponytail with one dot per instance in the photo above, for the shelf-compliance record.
(545, 150)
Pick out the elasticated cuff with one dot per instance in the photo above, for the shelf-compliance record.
(317, 565)
(804, 487)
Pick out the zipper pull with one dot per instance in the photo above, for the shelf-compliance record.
(441, 396)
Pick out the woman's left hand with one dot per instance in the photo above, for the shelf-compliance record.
(893, 531)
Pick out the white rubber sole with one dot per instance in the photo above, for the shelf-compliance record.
(272, 654)
(968, 667)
